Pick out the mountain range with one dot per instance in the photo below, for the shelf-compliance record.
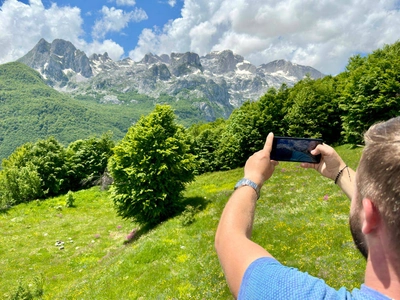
(57, 90)
(213, 84)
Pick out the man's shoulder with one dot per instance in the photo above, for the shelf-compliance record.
(266, 278)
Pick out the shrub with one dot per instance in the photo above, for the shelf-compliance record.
(28, 291)
(188, 215)
(70, 199)
(150, 168)
(88, 160)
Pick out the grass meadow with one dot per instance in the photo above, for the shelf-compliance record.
(302, 219)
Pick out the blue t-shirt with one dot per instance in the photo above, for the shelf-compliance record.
(266, 278)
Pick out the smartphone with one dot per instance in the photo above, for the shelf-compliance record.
(295, 149)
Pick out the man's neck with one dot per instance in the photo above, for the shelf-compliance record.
(383, 273)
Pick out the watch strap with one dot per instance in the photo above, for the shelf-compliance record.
(248, 182)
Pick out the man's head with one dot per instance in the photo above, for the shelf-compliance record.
(378, 179)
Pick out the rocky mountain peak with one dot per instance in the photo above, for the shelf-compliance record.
(103, 58)
(37, 55)
(56, 61)
(286, 68)
(185, 63)
(60, 47)
(220, 62)
(150, 58)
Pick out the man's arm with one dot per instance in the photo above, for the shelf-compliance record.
(232, 241)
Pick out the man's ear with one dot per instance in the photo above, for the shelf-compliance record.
(372, 216)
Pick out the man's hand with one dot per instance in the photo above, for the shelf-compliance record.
(330, 166)
(259, 167)
(331, 163)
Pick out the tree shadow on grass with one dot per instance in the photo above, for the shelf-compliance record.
(4, 210)
(200, 203)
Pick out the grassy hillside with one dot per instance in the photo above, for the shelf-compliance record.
(302, 219)
(30, 110)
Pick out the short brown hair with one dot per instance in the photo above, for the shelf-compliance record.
(378, 173)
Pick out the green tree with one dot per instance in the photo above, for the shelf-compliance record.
(150, 167)
(206, 140)
(248, 127)
(314, 110)
(51, 162)
(371, 91)
(19, 184)
(272, 107)
(240, 137)
(88, 160)
(34, 171)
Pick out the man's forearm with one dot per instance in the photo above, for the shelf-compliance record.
(238, 215)
(232, 241)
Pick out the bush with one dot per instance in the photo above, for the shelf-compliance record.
(69, 200)
(88, 160)
(19, 184)
(150, 168)
(28, 291)
(34, 171)
(188, 215)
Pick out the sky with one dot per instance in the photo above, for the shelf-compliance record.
(322, 34)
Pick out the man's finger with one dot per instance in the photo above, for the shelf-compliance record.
(268, 142)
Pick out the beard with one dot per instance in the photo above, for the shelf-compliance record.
(358, 236)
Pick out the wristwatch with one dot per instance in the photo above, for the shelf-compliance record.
(248, 182)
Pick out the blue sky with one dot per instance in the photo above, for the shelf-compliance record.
(157, 12)
(318, 33)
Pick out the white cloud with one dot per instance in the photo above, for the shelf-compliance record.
(114, 50)
(172, 3)
(23, 25)
(126, 2)
(320, 33)
(114, 20)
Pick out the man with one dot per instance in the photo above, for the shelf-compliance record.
(252, 272)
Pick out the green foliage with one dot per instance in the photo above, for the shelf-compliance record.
(28, 291)
(248, 126)
(150, 167)
(239, 128)
(313, 110)
(47, 169)
(189, 215)
(70, 199)
(273, 110)
(34, 171)
(371, 91)
(20, 184)
(206, 142)
(88, 160)
(50, 160)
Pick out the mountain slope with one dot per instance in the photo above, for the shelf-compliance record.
(31, 110)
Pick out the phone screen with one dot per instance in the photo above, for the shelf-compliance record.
(295, 149)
